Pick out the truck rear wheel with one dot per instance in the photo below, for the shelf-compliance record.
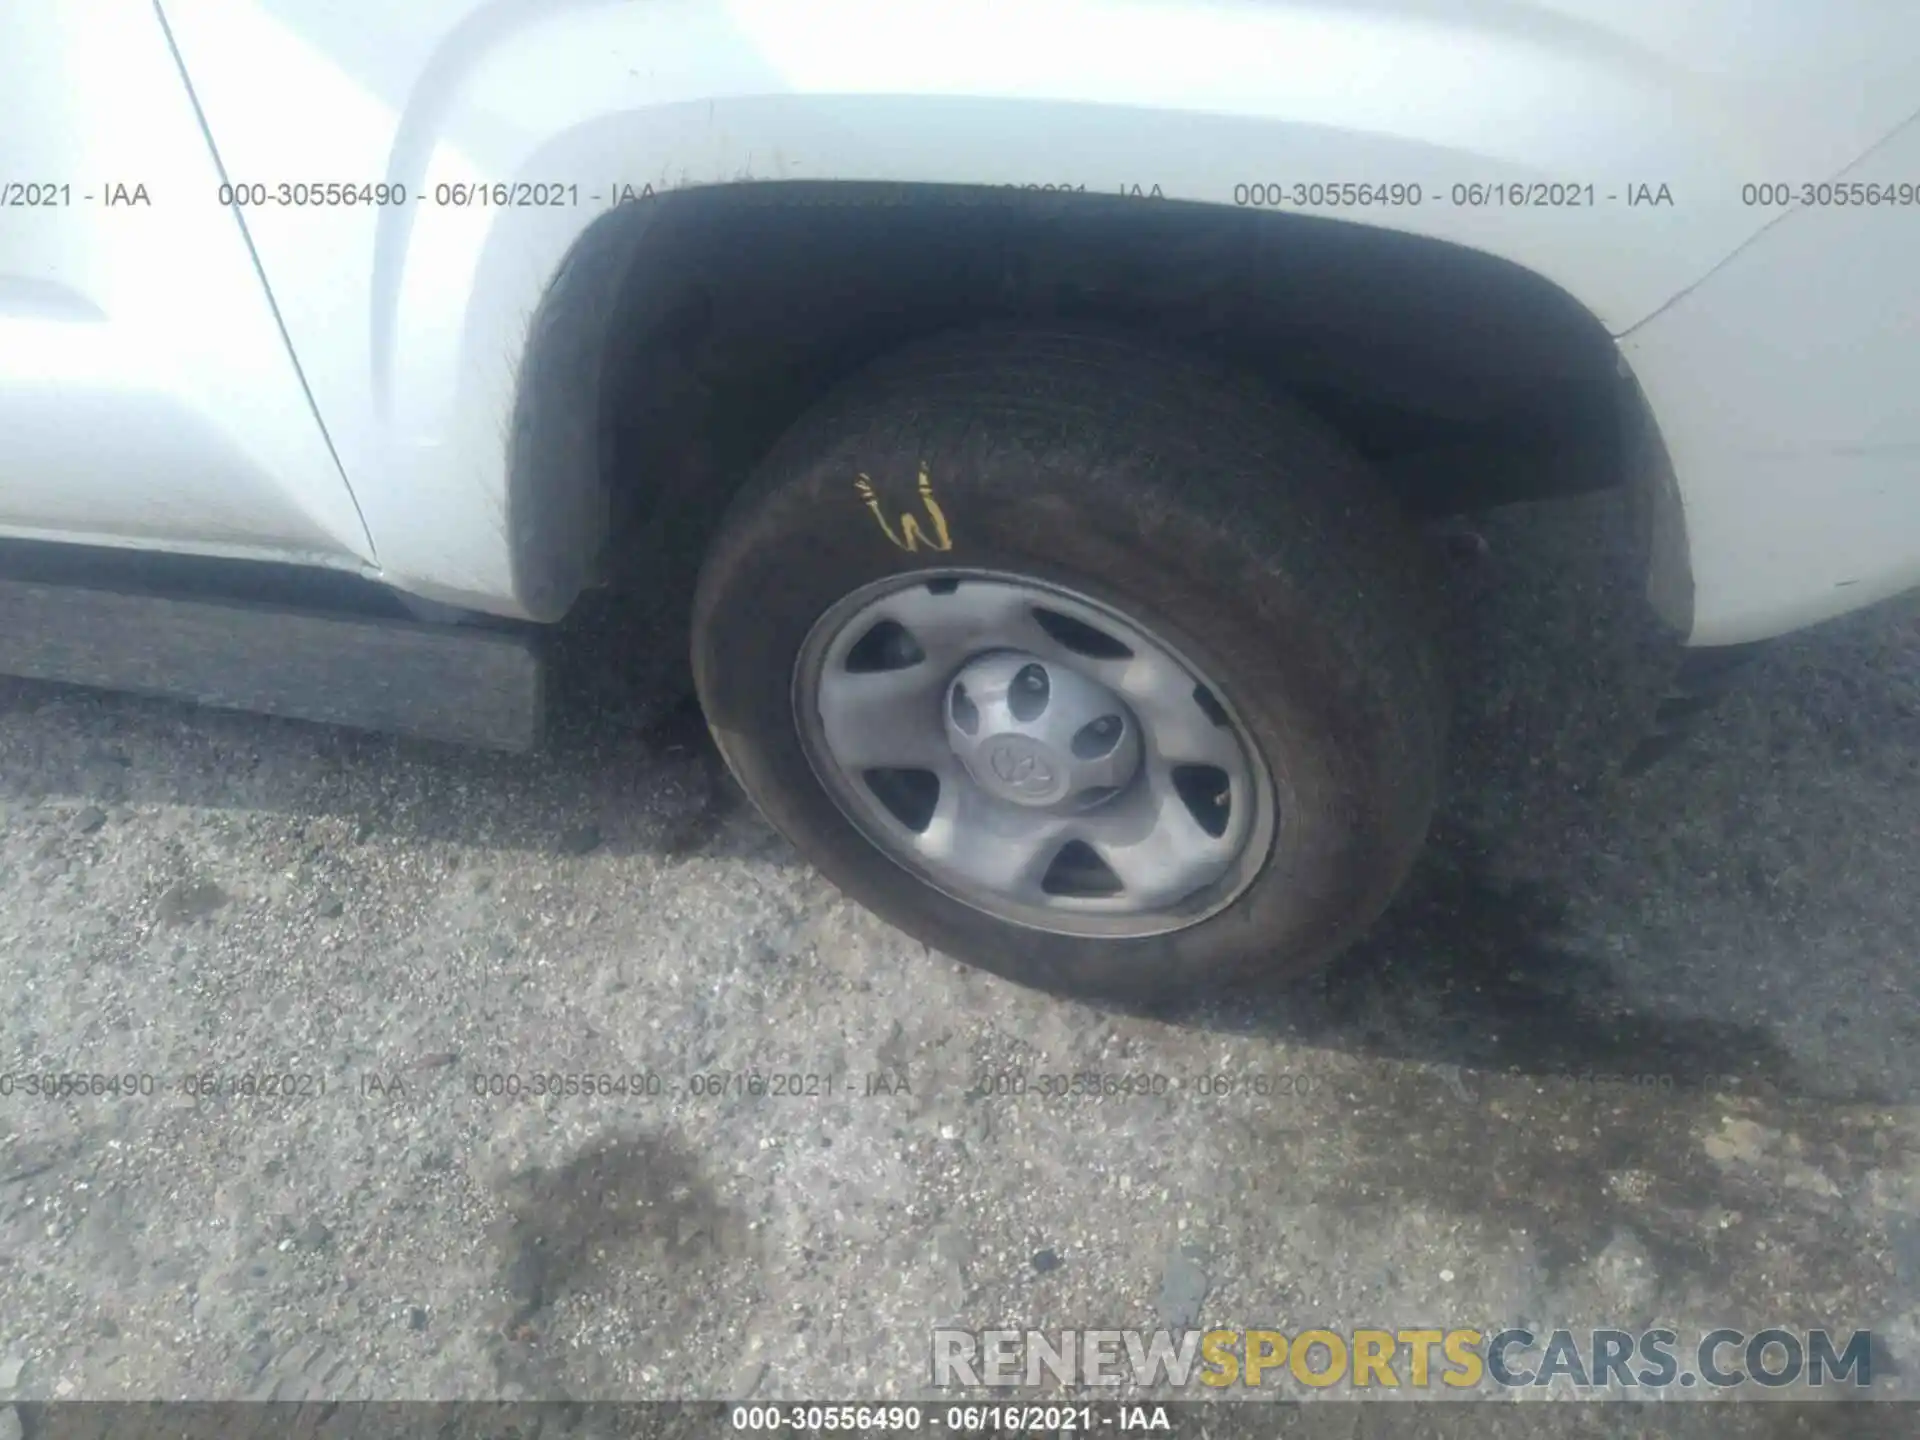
(1079, 659)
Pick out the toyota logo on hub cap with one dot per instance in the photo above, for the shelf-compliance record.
(1021, 766)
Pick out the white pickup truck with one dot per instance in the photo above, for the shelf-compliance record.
(1051, 391)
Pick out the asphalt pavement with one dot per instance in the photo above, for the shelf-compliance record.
(1636, 1047)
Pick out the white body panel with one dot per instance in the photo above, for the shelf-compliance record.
(409, 321)
(1787, 388)
(147, 396)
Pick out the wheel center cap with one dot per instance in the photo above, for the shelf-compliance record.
(1039, 734)
(1027, 774)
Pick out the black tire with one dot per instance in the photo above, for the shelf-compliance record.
(1216, 514)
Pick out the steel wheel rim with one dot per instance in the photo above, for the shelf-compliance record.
(1176, 842)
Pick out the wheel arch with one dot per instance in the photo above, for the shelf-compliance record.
(683, 333)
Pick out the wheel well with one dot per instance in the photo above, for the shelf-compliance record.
(719, 314)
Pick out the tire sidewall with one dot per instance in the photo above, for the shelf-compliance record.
(1088, 519)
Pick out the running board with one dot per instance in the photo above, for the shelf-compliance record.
(462, 684)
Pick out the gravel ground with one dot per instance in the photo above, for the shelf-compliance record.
(186, 893)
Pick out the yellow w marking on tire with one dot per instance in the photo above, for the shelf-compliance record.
(910, 536)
